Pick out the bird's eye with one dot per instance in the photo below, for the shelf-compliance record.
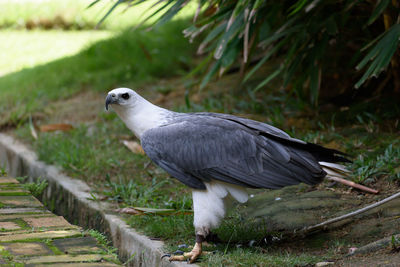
(125, 96)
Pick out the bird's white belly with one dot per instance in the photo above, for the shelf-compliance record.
(209, 205)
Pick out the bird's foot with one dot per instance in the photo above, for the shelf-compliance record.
(189, 256)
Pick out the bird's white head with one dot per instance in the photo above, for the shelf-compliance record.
(122, 97)
(137, 113)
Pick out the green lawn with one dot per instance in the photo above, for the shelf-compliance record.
(74, 14)
(127, 59)
(27, 49)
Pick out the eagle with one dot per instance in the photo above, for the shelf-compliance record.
(219, 156)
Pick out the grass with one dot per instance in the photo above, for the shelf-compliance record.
(72, 15)
(239, 256)
(3, 171)
(51, 44)
(368, 169)
(102, 240)
(37, 187)
(99, 67)
(153, 193)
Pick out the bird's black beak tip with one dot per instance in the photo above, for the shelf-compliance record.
(108, 101)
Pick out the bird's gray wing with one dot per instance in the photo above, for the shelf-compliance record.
(202, 148)
(256, 125)
(319, 152)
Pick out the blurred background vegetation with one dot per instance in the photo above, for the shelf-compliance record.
(319, 49)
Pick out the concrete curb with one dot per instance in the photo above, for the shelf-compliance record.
(70, 198)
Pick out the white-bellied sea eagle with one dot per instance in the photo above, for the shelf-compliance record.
(218, 155)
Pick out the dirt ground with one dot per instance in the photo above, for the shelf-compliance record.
(281, 212)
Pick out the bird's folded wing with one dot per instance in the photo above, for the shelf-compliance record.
(195, 149)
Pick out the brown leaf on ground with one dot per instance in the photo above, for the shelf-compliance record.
(56, 127)
(130, 211)
(152, 211)
(133, 146)
(32, 129)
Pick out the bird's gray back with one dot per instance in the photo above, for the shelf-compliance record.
(201, 147)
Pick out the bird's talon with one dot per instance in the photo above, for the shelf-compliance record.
(165, 255)
(183, 246)
(177, 258)
(190, 257)
(178, 252)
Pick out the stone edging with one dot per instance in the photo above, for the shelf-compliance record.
(70, 198)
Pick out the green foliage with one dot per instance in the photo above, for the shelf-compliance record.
(3, 171)
(311, 38)
(380, 55)
(66, 15)
(131, 193)
(84, 154)
(366, 169)
(37, 187)
(71, 150)
(248, 256)
(174, 228)
(105, 244)
(395, 243)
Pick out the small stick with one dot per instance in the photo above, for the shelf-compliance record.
(353, 184)
(351, 214)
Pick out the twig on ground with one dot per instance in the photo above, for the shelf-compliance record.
(374, 246)
(353, 184)
(348, 215)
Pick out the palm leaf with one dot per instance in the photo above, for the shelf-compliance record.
(380, 54)
(109, 11)
(380, 7)
(297, 7)
(264, 59)
(268, 79)
(228, 35)
(171, 12)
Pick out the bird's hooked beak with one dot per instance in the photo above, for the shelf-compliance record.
(111, 99)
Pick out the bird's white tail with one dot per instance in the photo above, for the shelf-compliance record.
(334, 170)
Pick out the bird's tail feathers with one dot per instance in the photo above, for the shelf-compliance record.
(334, 169)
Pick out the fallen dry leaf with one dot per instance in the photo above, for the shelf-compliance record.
(131, 211)
(152, 211)
(133, 146)
(32, 128)
(55, 127)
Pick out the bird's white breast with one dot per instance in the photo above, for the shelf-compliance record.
(142, 117)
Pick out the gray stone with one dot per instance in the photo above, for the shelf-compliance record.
(64, 259)
(54, 221)
(39, 235)
(22, 210)
(290, 208)
(27, 249)
(20, 201)
(82, 264)
(8, 180)
(9, 226)
(77, 245)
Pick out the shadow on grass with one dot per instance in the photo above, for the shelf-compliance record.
(130, 59)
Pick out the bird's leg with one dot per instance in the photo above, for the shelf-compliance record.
(192, 255)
